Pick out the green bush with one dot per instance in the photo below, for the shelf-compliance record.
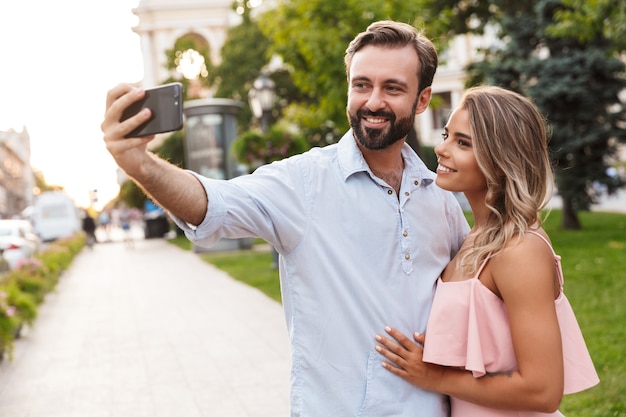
(9, 323)
(254, 148)
(23, 289)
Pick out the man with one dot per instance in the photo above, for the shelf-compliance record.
(89, 227)
(362, 230)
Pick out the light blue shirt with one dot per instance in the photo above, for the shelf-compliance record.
(355, 257)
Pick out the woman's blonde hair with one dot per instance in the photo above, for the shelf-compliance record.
(509, 138)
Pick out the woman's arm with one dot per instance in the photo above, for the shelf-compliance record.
(525, 279)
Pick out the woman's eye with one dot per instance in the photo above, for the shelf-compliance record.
(444, 135)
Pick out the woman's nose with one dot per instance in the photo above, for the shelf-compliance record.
(439, 149)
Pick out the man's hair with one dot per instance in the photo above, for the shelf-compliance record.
(398, 35)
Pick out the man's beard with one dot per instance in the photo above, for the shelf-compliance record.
(376, 139)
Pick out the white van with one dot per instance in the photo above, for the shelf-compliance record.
(55, 216)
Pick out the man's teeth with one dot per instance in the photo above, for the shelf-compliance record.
(372, 120)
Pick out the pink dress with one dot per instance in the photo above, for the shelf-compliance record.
(469, 328)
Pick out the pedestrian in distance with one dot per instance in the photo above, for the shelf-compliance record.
(502, 339)
(362, 230)
(89, 227)
(125, 219)
(104, 219)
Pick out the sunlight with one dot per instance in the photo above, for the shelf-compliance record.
(191, 64)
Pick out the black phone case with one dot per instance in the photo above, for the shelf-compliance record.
(166, 104)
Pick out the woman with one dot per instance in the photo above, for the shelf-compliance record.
(502, 339)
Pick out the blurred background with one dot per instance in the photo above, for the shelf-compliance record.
(265, 79)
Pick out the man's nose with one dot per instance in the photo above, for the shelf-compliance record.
(375, 101)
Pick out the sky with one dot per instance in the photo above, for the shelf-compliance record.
(58, 59)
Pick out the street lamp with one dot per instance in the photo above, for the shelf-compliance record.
(261, 98)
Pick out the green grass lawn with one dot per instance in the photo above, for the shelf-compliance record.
(594, 265)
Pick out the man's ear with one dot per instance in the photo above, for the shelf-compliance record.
(423, 100)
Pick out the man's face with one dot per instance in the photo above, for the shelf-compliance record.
(382, 95)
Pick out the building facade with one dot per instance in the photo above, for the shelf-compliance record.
(17, 181)
(162, 22)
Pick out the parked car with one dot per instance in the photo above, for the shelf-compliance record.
(18, 241)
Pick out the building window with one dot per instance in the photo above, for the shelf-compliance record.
(441, 109)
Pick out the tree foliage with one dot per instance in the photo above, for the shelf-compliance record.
(311, 36)
(172, 149)
(244, 54)
(42, 185)
(131, 194)
(574, 80)
(584, 20)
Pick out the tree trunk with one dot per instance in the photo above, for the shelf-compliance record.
(570, 216)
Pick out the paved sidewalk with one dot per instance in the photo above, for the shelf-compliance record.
(149, 331)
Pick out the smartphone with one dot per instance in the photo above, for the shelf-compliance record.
(166, 104)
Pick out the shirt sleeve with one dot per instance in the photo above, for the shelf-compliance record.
(271, 204)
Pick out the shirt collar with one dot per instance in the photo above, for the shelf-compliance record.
(351, 161)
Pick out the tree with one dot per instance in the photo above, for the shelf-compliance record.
(172, 149)
(584, 20)
(575, 82)
(130, 194)
(578, 89)
(311, 36)
(42, 185)
(245, 55)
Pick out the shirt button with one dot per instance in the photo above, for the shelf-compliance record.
(416, 182)
(389, 192)
(406, 193)
(407, 256)
(405, 233)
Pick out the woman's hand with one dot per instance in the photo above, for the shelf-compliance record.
(404, 358)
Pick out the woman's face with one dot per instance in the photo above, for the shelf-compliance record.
(458, 169)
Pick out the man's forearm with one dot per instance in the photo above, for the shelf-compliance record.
(174, 189)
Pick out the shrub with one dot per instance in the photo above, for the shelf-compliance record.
(254, 149)
(25, 287)
(8, 323)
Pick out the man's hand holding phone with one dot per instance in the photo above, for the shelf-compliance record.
(129, 153)
(173, 188)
